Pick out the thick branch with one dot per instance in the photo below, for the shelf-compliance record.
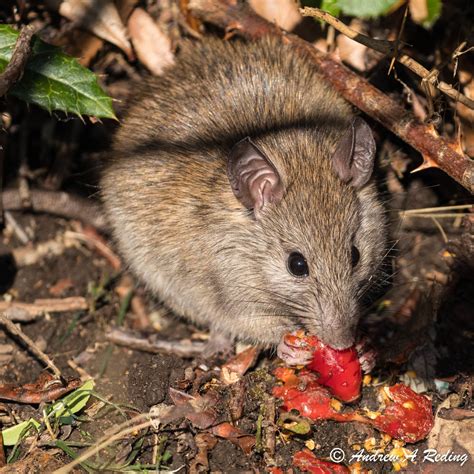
(388, 47)
(16, 66)
(436, 151)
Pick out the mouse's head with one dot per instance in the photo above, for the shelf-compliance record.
(317, 233)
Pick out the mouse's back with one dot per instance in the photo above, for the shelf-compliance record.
(220, 92)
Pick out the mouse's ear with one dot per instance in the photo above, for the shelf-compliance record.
(354, 157)
(253, 177)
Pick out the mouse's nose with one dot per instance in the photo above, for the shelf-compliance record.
(339, 338)
(338, 324)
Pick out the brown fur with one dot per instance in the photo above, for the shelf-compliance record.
(184, 233)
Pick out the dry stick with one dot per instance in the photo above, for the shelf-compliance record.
(181, 348)
(389, 48)
(13, 329)
(398, 39)
(57, 203)
(25, 312)
(436, 151)
(16, 66)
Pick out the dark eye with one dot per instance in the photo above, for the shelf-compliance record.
(297, 265)
(355, 256)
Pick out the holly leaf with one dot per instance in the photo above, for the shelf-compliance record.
(55, 81)
(331, 6)
(365, 9)
(434, 12)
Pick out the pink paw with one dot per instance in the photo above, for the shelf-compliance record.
(294, 354)
(367, 356)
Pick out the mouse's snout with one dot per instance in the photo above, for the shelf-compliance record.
(339, 338)
(337, 325)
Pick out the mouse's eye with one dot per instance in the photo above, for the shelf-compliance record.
(297, 265)
(355, 256)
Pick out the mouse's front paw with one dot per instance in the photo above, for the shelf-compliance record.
(293, 351)
(367, 356)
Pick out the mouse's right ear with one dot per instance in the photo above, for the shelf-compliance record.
(253, 177)
(354, 157)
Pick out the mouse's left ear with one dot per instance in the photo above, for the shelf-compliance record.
(354, 157)
(253, 177)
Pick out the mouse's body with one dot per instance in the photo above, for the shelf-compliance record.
(238, 192)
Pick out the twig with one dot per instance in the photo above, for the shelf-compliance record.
(426, 210)
(182, 348)
(97, 243)
(16, 66)
(3, 459)
(25, 312)
(17, 229)
(35, 350)
(269, 426)
(436, 151)
(397, 41)
(389, 48)
(57, 203)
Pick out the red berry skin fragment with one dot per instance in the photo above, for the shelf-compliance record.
(408, 416)
(302, 392)
(306, 461)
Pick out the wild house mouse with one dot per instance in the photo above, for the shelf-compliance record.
(239, 191)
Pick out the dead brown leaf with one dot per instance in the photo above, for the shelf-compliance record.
(233, 370)
(283, 13)
(152, 46)
(81, 44)
(235, 435)
(61, 286)
(199, 410)
(100, 17)
(125, 8)
(350, 51)
(418, 10)
(204, 443)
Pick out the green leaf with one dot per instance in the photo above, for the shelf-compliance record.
(62, 409)
(15, 433)
(54, 80)
(365, 8)
(434, 12)
(73, 403)
(331, 6)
